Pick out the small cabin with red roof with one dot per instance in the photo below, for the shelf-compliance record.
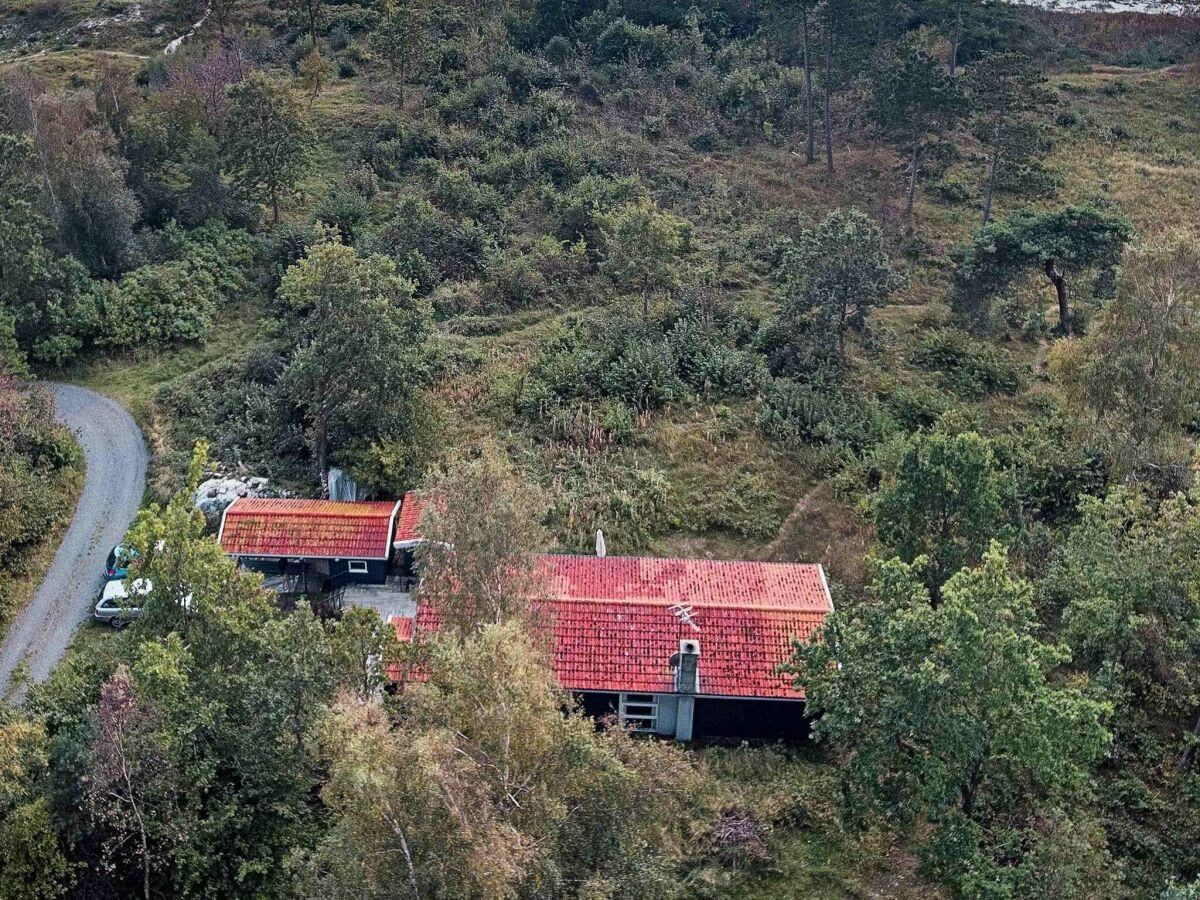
(323, 544)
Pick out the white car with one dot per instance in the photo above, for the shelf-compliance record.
(120, 603)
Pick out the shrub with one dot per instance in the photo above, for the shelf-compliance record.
(456, 192)
(623, 42)
(156, 307)
(643, 375)
(749, 507)
(582, 209)
(966, 367)
(455, 248)
(793, 412)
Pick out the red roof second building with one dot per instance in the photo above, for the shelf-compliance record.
(408, 524)
(308, 529)
(614, 622)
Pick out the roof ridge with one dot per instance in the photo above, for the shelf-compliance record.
(680, 559)
(702, 604)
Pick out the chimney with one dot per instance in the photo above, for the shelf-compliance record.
(686, 664)
(601, 550)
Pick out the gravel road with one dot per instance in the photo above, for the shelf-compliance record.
(112, 493)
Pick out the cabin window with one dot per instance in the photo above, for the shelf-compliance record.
(357, 567)
(639, 712)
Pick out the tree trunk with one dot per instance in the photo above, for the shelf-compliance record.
(645, 307)
(321, 427)
(912, 178)
(811, 150)
(829, 105)
(275, 206)
(997, 131)
(1060, 288)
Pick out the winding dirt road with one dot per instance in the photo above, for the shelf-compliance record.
(112, 492)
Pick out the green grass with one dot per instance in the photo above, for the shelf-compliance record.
(133, 380)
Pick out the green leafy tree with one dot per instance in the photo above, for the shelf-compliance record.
(480, 532)
(642, 249)
(359, 360)
(44, 296)
(914, 98)
(1005, 90)
(834, 275)
(1122, 583)
(482, 787)
(943, 500)
(314, 72)
(1058, 243)
(81, 177)
(949, 714)
(211, 704)
(266, 140)
(32, 863)
(362, 646)
(1134, 379)
(402, 39)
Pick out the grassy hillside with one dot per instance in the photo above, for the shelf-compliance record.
(504, 169)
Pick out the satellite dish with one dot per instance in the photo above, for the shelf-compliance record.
(601, 550)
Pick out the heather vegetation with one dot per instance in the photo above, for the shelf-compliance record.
(907, 288)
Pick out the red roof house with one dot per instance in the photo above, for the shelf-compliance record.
(617, 625)
(308, 529)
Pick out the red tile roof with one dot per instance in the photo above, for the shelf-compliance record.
(613, 628)
(408, 525)
(307, 529)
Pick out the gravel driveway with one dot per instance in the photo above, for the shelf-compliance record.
(112, 493)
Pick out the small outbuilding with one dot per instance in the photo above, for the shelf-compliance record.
(317, 545)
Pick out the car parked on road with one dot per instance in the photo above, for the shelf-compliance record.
(120, 602)
(119, 560)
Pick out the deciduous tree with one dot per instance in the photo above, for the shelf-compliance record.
(359, 360)
(642, 249)
(949, 714)
(834, 275)
(1134, 379)
(402, 39)
(481, 528)
(943, 500)
(266, 140)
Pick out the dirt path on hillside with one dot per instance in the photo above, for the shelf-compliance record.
(112, 492)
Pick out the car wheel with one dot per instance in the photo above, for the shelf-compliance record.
(117, 623)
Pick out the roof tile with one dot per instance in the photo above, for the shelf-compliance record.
(320, 529)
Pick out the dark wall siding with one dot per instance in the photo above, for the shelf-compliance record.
(770, 719)
(340, 574)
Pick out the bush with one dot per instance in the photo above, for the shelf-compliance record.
(455, 248)
(796, 413)
(456, 192)
(749, 507)
(157, 307)
(581, 210)
(966, 367)
(623, 42)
